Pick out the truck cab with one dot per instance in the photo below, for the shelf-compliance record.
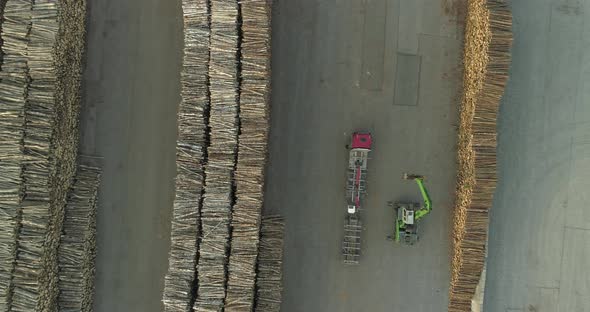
(361, 140)
(360, 146)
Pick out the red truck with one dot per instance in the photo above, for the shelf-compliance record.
(360, 147)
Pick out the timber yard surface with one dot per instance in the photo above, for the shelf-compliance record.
(336, 66)
(131, 96)
(539, 242)
(390, 67)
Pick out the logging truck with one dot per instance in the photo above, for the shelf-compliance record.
(359, 148)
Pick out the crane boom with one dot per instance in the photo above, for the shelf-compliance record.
(424, 210)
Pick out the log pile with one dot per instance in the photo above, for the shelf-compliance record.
(190, 153)
(77, 249)
(13, 89)
(227, 96)
(269, 283)
(38, 128)
(252, 151)
(488, 39)
(68, 57)
(43, 44)
(221, 156)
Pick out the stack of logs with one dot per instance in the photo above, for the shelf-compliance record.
(220, 172)
(221, 156)
(270, 264)
(488, 38)
(77, 249)
(39, 123)
(249, 176)
(42, 48)
(190, 153)
(13, 89)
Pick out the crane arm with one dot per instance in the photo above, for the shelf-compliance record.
(427, 202)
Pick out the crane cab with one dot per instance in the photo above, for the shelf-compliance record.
(407, 215)
(406, 212)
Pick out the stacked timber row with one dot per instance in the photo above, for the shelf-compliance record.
(269, 283)
(68, 54)
(221, 156)
(223, 223)
(43, 43)
(488, 39)
(16, 23)
(2, 6)
(252, 154)
(39, 123)
(190, 153)
(77, 249)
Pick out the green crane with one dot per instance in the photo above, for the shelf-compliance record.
(409, 214)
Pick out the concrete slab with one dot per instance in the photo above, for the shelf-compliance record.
(542, 299)
(375, 19)
(407, 80)
(577, 204)
(409, 25)
(574, 293)
(543, 161)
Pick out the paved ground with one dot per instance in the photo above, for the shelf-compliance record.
(129, 118)
(539, 246)
(390, 67)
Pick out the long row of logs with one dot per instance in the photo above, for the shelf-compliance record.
(488, 38)
(190, 154)
(220, 172)
(77, 248)
(252, 151)
(221, 156)
(13, 95)
(38, 131)
(270, 264)
(42, 44)
(68, 53)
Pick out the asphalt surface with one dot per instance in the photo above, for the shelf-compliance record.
(131, 93)
(390, 67)
(539, 245)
